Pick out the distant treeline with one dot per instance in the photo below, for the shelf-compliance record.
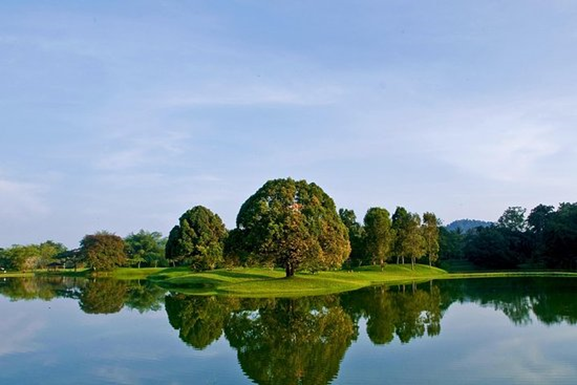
(546, 238)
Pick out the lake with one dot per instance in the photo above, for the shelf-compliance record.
(62, 330)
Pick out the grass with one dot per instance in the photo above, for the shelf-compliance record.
(16, 274)
(262, 282)
(259, 282)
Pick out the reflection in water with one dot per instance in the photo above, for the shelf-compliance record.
(200, 320)
(95, 296)
(304, 340)
(404, 311)
(290, 341)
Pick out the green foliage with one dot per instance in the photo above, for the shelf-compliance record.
(513, 219)
(409, 242)
(290, 341)
(379, 235)
(198, 240)
(451, 244)
(145, 247)
(199, 320)
(30, 257)
(103, 251)
(103, 296)
(303, 217)
(560, 237)
(356, 237)
(430, 230)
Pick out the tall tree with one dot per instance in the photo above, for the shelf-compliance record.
(560, 237)
(379, 235)
(413, 245)
(198, 239)
(430, 231)
(103, 251)
(48, 251)
(289, 209)
(145, 246)
(513, 219)
(400, 224)
(356, 236)
(22, 258)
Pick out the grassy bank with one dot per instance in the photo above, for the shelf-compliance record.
(261, 282)
(265, 282)
(17, 274)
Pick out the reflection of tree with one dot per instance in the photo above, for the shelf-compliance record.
(407, 312)
(555, 303)
(291, 341)
(103, 296)
(144, 296)
(96, 296)
(512, 296)
(200, 320)
(44, 288)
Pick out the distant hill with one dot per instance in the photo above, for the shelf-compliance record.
(467, 224)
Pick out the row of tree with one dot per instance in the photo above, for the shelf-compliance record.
(295, 224)
(287, 223)
(546, 237)
(99, 251)
(382, 237)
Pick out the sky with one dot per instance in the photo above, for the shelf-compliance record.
(120, 116)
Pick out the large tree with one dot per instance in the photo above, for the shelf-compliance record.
(409, 242)
(513, 219)
(356, 236)
(197, 240)
(293, 224)
(379, 235)
(145, 246)
(430, 231)
(103, 251)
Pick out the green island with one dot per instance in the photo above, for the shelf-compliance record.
(258, 282)
(290, 240)
(263, 282)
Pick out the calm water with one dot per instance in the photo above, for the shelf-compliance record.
(497, 331)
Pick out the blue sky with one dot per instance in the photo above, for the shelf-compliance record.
(122, 115)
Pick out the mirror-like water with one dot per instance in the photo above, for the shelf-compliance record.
(499, 331)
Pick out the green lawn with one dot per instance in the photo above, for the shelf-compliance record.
(262, 282)
(258, 282)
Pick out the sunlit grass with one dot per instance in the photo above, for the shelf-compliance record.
(265, 282)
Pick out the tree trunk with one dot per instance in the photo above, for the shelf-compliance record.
(412, 263)
(289, 270)
(403, 259)
(382, 264)
(397, 259)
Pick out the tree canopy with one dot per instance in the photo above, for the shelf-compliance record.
(300, 216)
(145, 247)
(197, 240)
(431, 237)
(379, 235)
(103, 251)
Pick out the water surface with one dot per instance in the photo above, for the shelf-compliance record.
(499, 331)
